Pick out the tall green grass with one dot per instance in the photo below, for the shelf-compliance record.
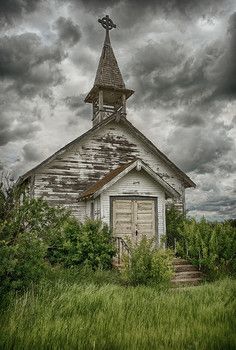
(67, 315)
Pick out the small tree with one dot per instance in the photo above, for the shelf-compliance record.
(147, 265)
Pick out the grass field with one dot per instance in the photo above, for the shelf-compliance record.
(71, 315)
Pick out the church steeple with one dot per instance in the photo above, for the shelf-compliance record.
(109, 93)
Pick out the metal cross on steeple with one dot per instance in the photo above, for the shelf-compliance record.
(107, 23)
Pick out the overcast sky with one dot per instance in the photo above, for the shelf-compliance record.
(178, 56)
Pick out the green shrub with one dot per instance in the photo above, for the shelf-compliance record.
(22, 262)
(33, 215)
(147, 265)
(8, 196)
(210, 245)
(87, 244)
(33, 234)
(25, 234)
(174, 222)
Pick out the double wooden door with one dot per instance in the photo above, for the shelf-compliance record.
(134, 217)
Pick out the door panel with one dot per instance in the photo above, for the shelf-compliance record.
(122, 217)
(145, 219)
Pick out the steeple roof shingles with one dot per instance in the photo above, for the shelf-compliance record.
(108, 72)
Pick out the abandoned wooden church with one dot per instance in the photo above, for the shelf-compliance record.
(112, 172)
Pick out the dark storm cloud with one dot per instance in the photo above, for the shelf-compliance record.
(79, 108)
(170, 76)
(185, 8)
(154, 76)
(227, 83)
(68, 32)
(200, 148)
(10, 9)
(227, 166)
(188, 120)
(221, 204)
(29, 66)
(11, 131)
(74, 102)
(31, 153)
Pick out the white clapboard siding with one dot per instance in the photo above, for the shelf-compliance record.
(70, 173)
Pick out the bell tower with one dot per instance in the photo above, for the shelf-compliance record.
(108, 95)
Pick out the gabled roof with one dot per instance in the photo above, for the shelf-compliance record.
(186, 180)
(112, 177)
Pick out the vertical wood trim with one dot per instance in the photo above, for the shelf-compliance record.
(124, 104)
(100, 104)
(135, 213)
(31, 186)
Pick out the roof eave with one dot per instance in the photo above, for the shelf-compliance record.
(94, 91)
(139, 165)
(187, 182)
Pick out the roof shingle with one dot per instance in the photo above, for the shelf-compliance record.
(102, 182)
(108, 72)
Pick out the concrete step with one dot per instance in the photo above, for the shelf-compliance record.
(179, 261)
(182, 268)
(187, 275)
(186, 282)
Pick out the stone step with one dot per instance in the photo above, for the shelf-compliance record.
(182, 268)
(186, 282)
(179, 261)
(187, 274)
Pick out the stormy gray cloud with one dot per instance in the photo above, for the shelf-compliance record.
(14, 130)
(79, 108)
(27, 65)
(178, 56)
(11, 9)
(188, 119)
(31, 153)
(227, 85)
(69, 32)
(199, 149)
(171, 74)
(184, 8)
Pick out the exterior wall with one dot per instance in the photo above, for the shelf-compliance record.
(135, 183)
(62, 180)
(89, 213)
